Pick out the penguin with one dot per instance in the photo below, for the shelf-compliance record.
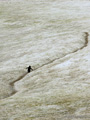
(29, 69)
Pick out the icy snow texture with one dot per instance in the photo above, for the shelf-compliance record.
(44, 34)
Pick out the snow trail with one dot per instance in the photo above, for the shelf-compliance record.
(22, 76)
(85, 44)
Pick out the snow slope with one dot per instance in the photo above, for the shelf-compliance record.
(49, 36)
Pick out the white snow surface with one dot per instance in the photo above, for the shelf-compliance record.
(48, 35)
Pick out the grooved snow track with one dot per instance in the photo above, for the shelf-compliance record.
(12, 83)
(85, 44)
